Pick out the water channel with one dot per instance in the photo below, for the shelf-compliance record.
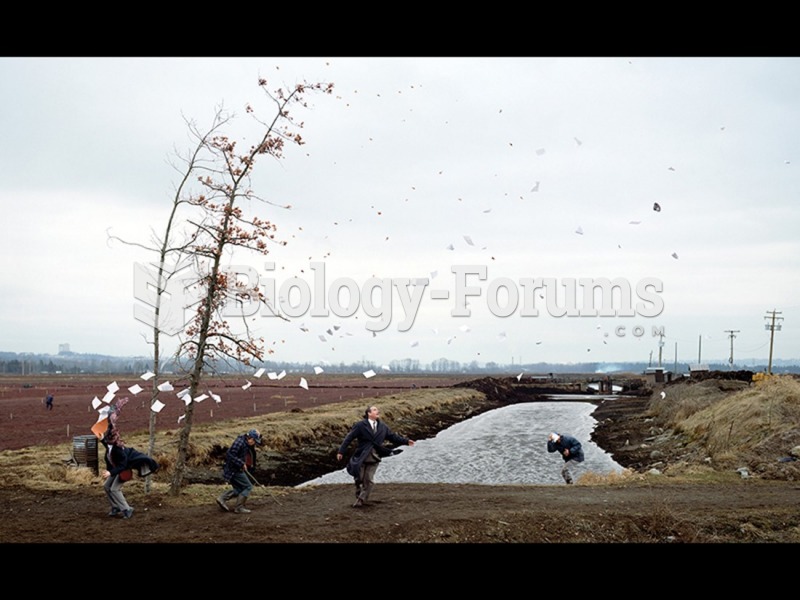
(503, 446)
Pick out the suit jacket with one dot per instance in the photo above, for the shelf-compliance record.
(367, 441)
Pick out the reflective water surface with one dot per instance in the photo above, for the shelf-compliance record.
(503, 446)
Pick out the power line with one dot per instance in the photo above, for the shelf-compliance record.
(771, 327)
(732, 333)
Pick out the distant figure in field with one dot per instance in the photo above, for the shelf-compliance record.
(570, 450)
(49, 402)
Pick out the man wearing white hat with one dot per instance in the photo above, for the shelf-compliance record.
(570, 450)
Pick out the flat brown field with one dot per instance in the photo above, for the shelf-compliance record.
(24, 420)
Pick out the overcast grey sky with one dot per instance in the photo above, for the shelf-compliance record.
(529, 167)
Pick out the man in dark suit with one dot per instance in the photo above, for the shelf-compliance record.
(371, 433)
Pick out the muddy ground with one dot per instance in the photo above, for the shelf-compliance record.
(640, 509)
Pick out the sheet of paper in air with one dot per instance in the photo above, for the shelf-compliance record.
(519, 376)
(147, 376)
(282, 374)
(272, 375)
(165, 387)
(318, 370)
(369, 373)
(201, 397)
(385, 367)
(112, 387)
(187, 399)
(303, 383)
(95, 402)
(259, 373)
(468, 240)
(182, 392)
(135, 389)
(216, 398)
(246, 385)
(157, 406)
(108, 397)
(181, 418)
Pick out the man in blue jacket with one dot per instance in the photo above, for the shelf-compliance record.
(570, 450)
(234, 471)
(371, 433)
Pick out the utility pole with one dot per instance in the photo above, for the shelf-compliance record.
(772, 326)
(660, 346)
(699, 347)
(732, 333)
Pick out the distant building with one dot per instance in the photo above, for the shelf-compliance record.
(655, 375)
(697, 369)
(63, 349)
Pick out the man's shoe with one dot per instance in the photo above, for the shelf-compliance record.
(222, 505)
(127, 514)
(114, 511)
(242, 510)
(358, 503)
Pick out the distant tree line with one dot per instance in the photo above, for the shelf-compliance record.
(12, 363)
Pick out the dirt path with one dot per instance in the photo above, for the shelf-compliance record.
(746, 511)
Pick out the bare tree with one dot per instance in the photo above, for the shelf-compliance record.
(220, 225)
(170, 254)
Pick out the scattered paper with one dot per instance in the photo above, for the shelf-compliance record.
(468, 240)
(187, 399)
(246, 385)
(157, 406)
(322, 338)
(182, 393)
(108, 397)
(663, 395)
(165, 387)
(369, 373)
(519, 376)
(272, 375)
(147, 376)
(282, 374)
(216, 398)
(200, 398)
(181, 418)
(112, 387)
(135, 389)
(95, 403)
(318, 370)
(259, 373)
(385, 368)
(303, 383)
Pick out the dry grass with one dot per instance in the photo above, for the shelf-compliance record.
(732, 420)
